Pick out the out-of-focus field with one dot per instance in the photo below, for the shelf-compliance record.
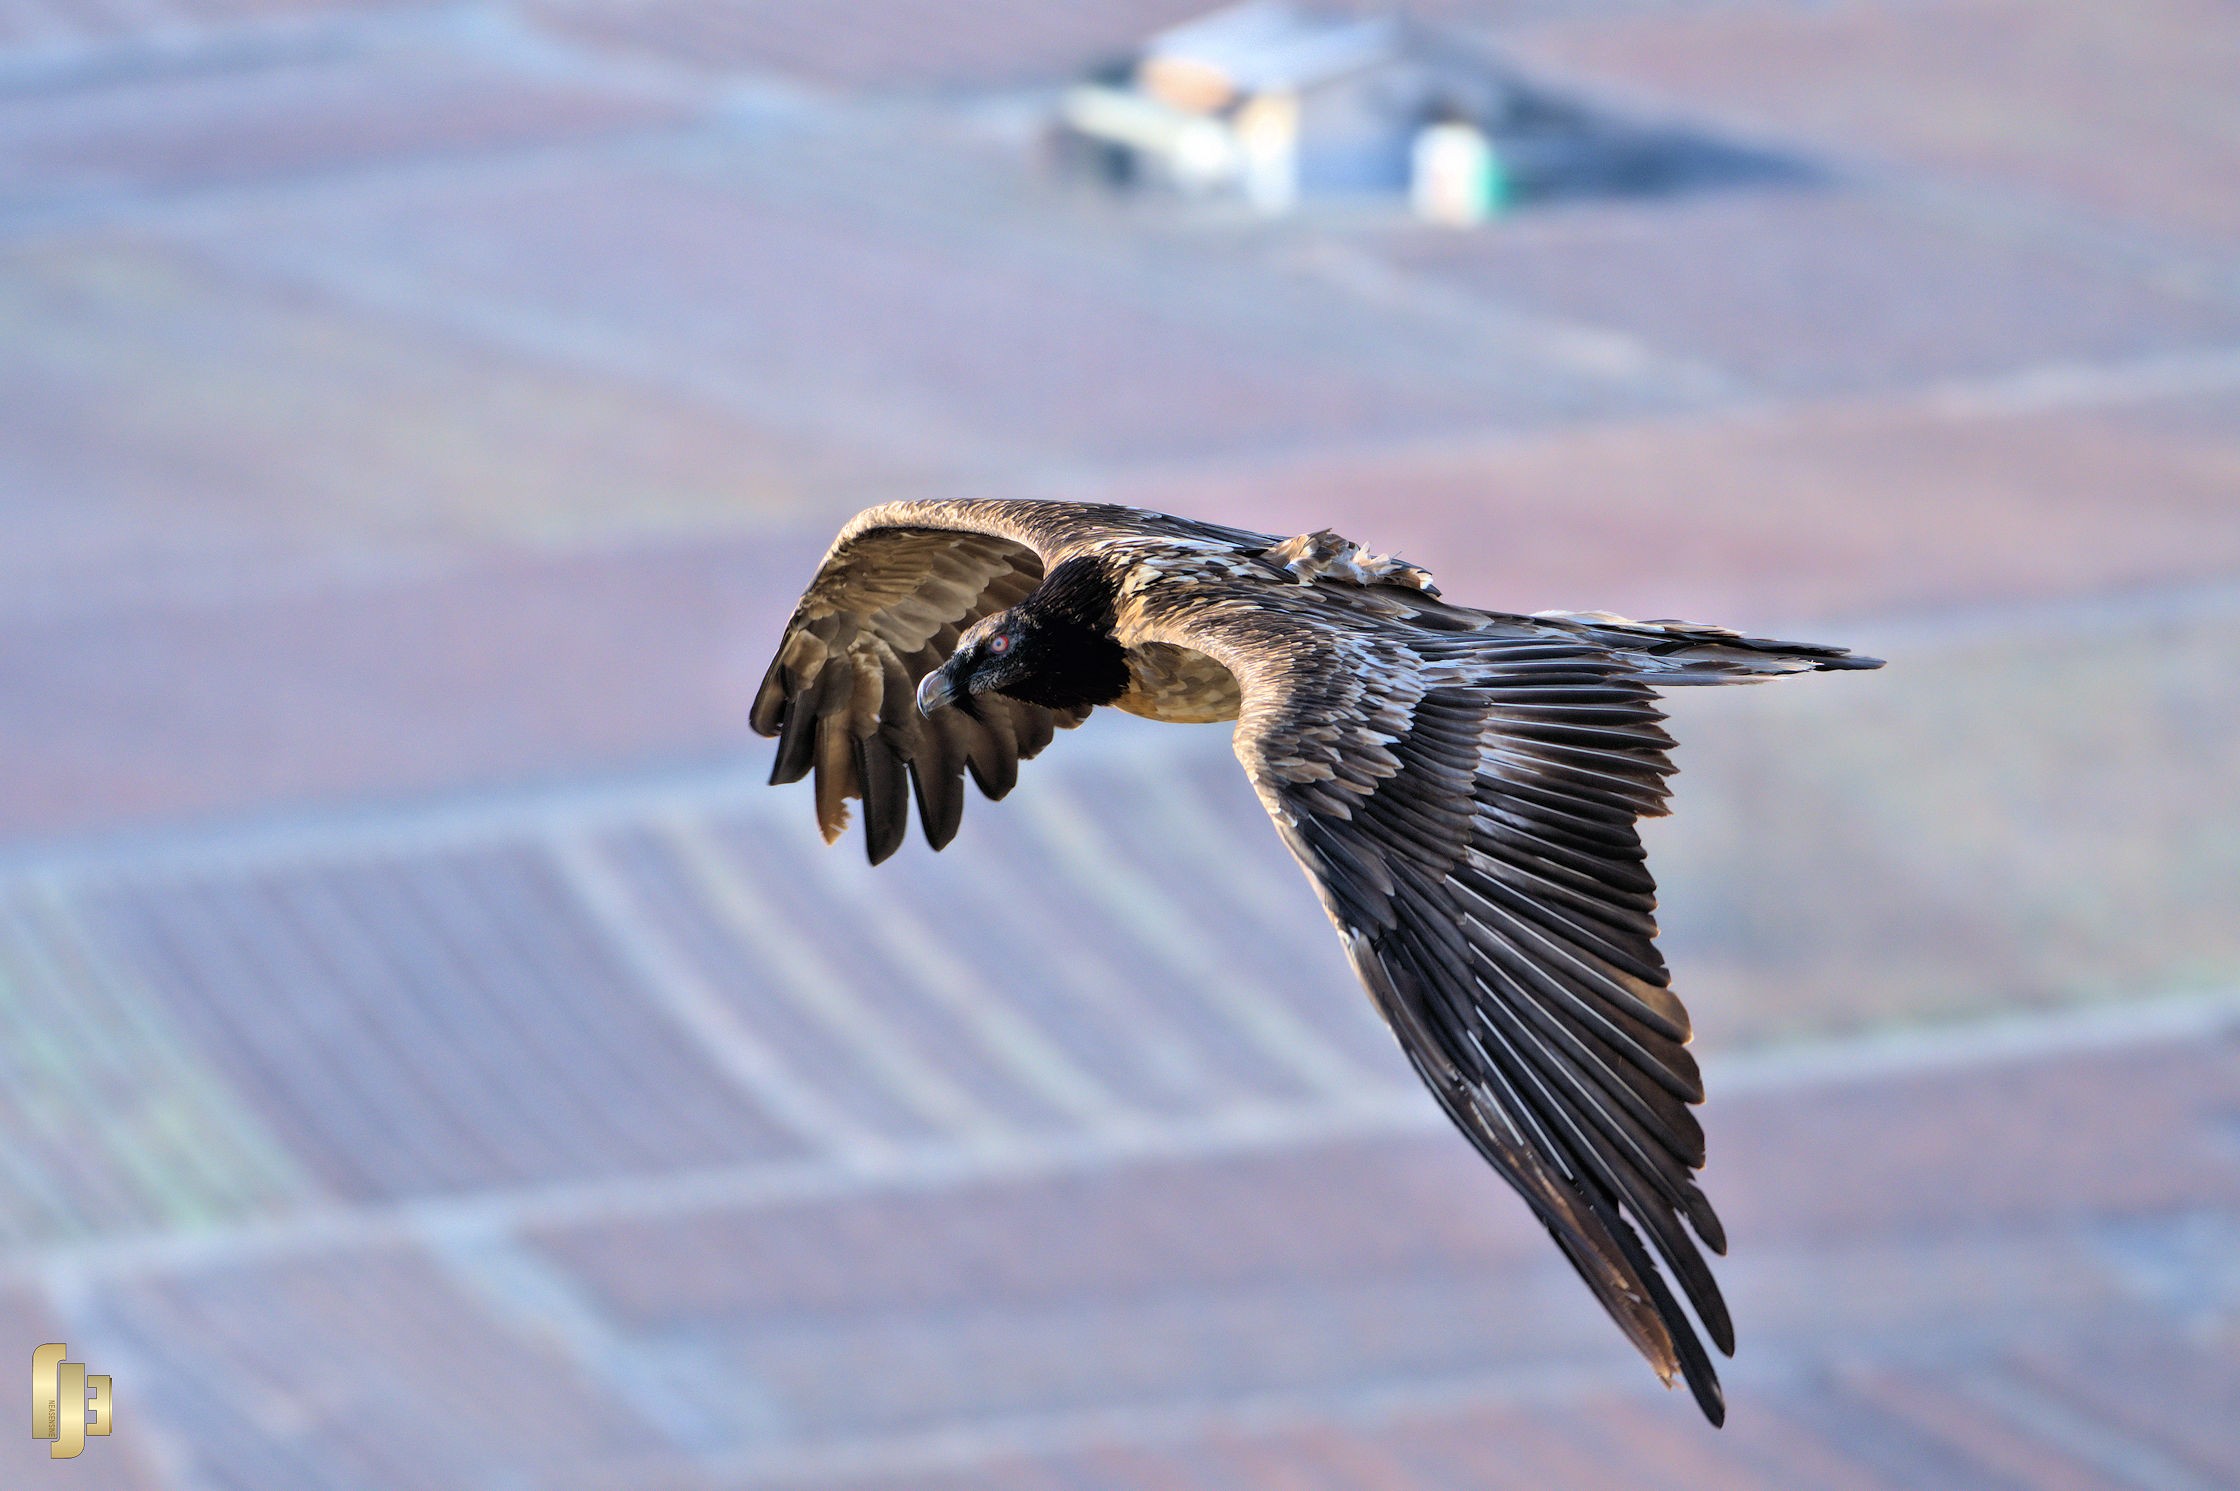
(429, 1058)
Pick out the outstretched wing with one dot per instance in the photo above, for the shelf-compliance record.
(885, 609)
(893, 594)
(1465, 804)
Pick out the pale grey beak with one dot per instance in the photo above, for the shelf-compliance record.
(935, 692)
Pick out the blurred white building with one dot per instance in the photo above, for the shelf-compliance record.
(1280, 105)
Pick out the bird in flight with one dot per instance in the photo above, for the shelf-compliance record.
(1462, 788)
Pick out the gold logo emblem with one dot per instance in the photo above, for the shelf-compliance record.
(60, 1408)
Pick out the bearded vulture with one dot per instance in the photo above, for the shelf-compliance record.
(1461, 787)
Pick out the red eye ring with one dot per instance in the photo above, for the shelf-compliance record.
(999, 643)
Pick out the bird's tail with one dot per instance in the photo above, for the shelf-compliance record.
(1681, 652)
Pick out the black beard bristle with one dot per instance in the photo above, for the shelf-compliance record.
(1068, 622)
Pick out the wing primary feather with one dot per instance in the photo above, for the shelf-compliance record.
(993, 758)
(1589, 812)
(1407, 830)
(1597, 698)
(1442, 1005)
(1661, 1056)
(1624, 912)
(797, 741)
(1632, 743)
(1695, 1363)
(1597, 702)
(1647, 1112)
(937, 774)
(770, 699)
(835, 747)
(886, 797)
(1585, 843)
(1646, 998)
(1034, 730)
(1581, 851)
(1629, 1151)
(1528, 1059)
(836, 766)
(1587, 1078)
(1528, 1062)
(1608, 1256)
(1582, 783)
(1667, 1337)
(1655, 1212)
(1636, 955)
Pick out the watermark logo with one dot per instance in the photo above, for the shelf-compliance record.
(61, 1409)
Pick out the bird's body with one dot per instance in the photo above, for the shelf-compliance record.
(1461, 786)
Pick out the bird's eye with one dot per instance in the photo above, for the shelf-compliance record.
(999, 644)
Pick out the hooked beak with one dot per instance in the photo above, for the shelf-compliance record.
(936, 691)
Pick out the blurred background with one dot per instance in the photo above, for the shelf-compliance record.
(430, 1058)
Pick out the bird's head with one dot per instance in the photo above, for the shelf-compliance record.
(997, 654)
